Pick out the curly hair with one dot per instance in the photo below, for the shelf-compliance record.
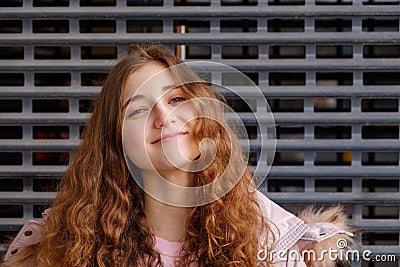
(98, 218)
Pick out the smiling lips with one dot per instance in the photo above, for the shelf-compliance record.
(168, 137)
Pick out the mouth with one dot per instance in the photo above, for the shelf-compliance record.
(168, 137)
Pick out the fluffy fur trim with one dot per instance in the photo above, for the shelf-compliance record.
(336, 216)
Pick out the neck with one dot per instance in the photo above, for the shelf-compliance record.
(167, 220)
(171, 188)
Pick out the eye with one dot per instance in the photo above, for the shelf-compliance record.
(177, 99)
(136, 112)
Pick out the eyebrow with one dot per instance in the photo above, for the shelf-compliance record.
(137, 97)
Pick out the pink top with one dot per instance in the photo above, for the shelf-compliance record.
(292, 234)
(169, 251)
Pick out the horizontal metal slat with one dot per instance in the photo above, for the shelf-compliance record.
(316, 91)
(16, 223)
(26, 197)
(249, 64)
(42, 145)
(50, 92)
(276, 171)
(371, 224)
(290, 197)
(243, 91)
(330, 171)
(247, 118)
(336, 145)
(203, 38)
(13, 224)
(328, 198)
(201, 12)
(42, 171)
(44, 118)
(378, 224)
(281, 145)
(322, 118)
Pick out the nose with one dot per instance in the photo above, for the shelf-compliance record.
(162, 115)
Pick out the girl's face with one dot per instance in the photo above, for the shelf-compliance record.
(158, 122)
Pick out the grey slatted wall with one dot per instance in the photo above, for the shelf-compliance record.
(330, 70)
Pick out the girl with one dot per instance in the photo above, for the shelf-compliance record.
(107, 215)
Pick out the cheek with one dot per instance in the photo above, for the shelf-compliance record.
(189, 148)
(184, 110)
(133, 143)
(188, 116)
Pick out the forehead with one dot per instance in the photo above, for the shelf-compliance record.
(152, 75)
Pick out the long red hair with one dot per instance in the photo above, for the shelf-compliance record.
(98, 219)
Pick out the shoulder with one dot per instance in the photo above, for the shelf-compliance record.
(311, 230)
(29, 235)
(286, 227)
